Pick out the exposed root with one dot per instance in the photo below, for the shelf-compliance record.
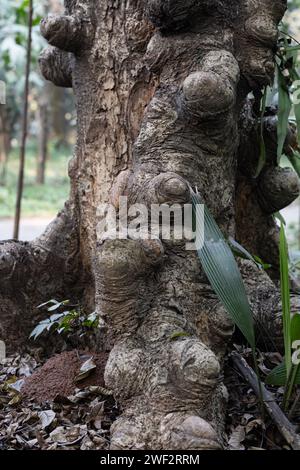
(32, 273)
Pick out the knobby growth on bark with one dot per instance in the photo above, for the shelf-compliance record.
(162, 90)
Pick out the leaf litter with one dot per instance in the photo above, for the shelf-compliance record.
(246, 428)
(80, 420)
(82, 417)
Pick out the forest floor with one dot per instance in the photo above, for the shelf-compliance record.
(76, 412)
(47, 407)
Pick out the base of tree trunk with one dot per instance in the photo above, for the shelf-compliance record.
(163, 93)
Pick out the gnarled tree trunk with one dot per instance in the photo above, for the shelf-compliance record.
(162, 90)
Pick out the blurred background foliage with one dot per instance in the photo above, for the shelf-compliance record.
(52, 120)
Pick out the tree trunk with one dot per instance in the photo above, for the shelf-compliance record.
(162, 91)
(43, 134)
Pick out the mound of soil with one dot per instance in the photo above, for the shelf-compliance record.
(56, 378)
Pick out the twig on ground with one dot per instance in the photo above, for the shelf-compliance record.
(284, 426)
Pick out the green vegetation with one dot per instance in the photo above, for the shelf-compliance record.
(287, 374)
(39, 200)
(66, 319)
(222, 271)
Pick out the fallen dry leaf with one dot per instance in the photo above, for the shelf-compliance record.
(236, 438)
(86, 369)
(46, 418)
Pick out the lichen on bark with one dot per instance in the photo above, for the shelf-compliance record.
(162, 100)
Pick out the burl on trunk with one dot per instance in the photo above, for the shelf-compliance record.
(162, 90)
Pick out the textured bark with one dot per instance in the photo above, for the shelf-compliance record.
(161, 89)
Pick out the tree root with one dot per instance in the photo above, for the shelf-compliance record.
(32, 273)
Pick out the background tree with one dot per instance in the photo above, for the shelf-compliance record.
(13, 41)
(43, 135)
(164, 103)
(24, 132)
(45, 100)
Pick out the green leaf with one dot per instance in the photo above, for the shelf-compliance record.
(54, 307)
(262, 153)
(297, 116)
(36, 21)
(92, 320)
(24, 5)
(222, 271)
(295, 328)
(240, 251)
(39, 329)
(279, 217)
(278, 376)
(296, 103)
(284, 109)
(293, 48)
(294, 158)
(57, 305)
(285, 299)
(178, 334)
(52, 301)
(261, 263)
(56, 317)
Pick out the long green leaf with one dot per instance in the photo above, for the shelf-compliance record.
(262, 153)
(284, 109)
(296, 103)
(293, 48)
(295, 328)
(295, 157)
(297, 116)
(295, 369)
(290, 386)
(285, 299)
(222, 271)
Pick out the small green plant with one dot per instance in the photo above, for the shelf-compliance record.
(67, 319)
(287, 84)
(286, 374)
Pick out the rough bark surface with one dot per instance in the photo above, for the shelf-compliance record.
(162, 100)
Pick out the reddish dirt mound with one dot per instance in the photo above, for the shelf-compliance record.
(57, 376)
